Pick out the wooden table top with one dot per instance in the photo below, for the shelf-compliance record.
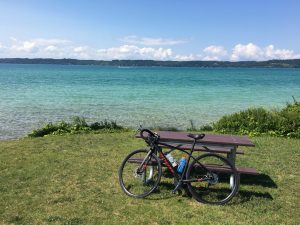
(171, 136)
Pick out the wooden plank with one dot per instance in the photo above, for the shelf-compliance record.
(251, 171)
(209, 138)
(216, 168)
(240, 170)
(203, 149)
(171, 136)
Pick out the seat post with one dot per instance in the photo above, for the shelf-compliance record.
(192, 149)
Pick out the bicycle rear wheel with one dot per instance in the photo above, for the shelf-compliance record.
(140, 173)
(213, 179)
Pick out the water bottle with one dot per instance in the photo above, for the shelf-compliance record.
(171, 159)
(182, 163)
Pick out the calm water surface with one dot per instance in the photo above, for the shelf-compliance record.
(32, 95)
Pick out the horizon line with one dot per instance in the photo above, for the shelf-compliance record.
(149, 60)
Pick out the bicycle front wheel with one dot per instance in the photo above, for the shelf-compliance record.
(212, 179)
(140, 173)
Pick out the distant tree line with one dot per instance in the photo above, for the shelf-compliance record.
(290, 63)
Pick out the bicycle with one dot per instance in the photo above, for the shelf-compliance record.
(210, 178)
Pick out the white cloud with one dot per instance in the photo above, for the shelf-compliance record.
(60, 48)
(210, 58)
(81, 49)
(162, 53)
(121, 52)
(246, 52)
(253, 52)
(40, 47)
(214, 52)
(189, 57)
(134, 52)
(271, 53)
(135, 40)
(29, 45)
(50, 48)
(82, 52)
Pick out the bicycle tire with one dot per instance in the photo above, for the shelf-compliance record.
(221, 179)
(139, 183)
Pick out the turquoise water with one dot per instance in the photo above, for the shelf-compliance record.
(34, 94)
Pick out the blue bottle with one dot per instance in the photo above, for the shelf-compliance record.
(182, 163)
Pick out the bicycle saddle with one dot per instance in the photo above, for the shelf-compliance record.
(196, 136)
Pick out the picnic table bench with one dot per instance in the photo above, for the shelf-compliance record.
(225, 144)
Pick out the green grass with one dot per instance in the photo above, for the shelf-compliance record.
(73, 179)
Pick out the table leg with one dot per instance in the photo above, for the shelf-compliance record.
(231, 157)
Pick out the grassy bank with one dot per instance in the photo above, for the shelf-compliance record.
(260, 121)
(73, 180)
(283, 122)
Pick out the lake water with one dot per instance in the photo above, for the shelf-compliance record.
(32, 95)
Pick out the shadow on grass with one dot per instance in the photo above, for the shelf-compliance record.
(246, 196)
(164, 191)
(263, 180)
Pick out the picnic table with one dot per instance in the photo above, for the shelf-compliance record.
(224, 144)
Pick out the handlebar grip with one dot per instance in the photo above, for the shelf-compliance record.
(201, 136)
(148, 131)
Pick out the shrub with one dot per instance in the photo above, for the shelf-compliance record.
(257, 121)
(289, 124)
(78, 125)
(206, 127)
(105, 125)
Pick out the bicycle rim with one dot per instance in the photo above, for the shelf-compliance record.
(215, 179)
(137, 179)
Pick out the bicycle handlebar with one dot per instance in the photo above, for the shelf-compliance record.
(148, 131)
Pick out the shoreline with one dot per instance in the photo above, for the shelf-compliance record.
(275, 63)
(252, 121)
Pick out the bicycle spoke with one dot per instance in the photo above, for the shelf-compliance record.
(216, 188)
(139, 173)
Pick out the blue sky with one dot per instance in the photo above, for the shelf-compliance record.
(160, 30)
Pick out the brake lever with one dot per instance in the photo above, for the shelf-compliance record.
(138, 130)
